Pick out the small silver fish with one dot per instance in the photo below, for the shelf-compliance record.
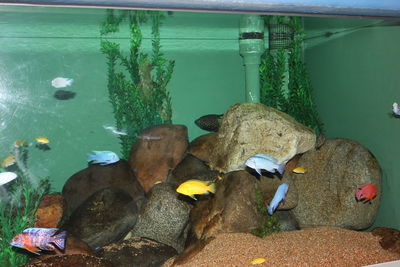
(61, 82)
(395, 109)
(114, 130)
(6, 177)
(279, 196)
(102, 157)
(260, 162)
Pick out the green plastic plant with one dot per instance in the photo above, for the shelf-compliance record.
(284, 67)
(19, 201)
(270, 223)
(136, 81)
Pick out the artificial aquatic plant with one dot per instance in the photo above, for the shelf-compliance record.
(136, 80)
(19, 201)
(285, 83)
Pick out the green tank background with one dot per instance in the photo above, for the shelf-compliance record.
(50, 42)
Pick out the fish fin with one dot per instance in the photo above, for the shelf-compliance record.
(192, 196)
(59, 240)
(272, 159)
(281, 168)
(91, 158)
(70, 81)
(258, 171)
(211, 187)
(34, 250)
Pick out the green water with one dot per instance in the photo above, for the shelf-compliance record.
(40, 44)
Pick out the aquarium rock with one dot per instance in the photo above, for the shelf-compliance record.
(231, 209)
(104, 218)
(202, 146)
(164, 218)
(73, 245)
(86, 182)
(390, 238)
(157, 150)
(286, 221)
(50, 212)
(137, 251)
(251, 128)
(327, 191)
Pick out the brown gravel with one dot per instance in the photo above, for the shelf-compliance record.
(322, 246)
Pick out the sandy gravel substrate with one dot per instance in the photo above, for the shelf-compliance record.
(322, 246)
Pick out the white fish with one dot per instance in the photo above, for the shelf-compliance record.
(263, 162)
(61, 82)
(395, 109)
(6, 177)
(279, 196)
(149, 137)
(114, 130)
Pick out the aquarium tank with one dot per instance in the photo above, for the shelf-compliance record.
(206, 133)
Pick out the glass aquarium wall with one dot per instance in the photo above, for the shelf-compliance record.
(50, 43)
(354, 69)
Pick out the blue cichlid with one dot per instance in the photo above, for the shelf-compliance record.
(279, 196)
(263, 162)
(102, 157)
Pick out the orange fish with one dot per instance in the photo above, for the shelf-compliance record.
(366, 192)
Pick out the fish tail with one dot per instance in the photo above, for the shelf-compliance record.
(281, 168)
(211, 187)
(59, 239)
(70, 81)
(91, 157)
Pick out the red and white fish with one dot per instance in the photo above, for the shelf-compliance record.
(366, 192)
(37, 239)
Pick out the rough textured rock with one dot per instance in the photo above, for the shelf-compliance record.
(164, 218)
(158, 149)
(83, 184)
(202, 146)
(104, 218)
(251, 128)
(73, 245)
(327, 191)
(232, 209)
(50, 211)
(287, 221)
(390, 238)
(137, 251)
(191, 168)
(72, 260)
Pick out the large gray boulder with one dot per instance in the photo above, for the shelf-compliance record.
(326, 193)
(251, 128)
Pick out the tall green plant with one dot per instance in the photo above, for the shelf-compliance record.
(285, 66)
(19, 201)
(137, 81)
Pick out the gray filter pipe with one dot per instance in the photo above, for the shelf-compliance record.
(251, 47)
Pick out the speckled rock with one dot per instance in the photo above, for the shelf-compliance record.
(165, 218)
(50, 211)
(138, 252)
(104, 218)
(157, 150)
(202, 146)
(287, 222)
(327, 191)
(232, 209)
(84, 183)
(72, 260)
(251, 128)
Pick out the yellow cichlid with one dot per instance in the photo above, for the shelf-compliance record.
(299, 170)
(196, 187)
(7, 162)
(42, 140)
(257, 261)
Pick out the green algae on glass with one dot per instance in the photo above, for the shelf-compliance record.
(137, 81)
(270, 223)
(19, 201)
(285, 83)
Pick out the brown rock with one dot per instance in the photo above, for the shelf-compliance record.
(73, 245)
(158, 149)
(50, 211)
(202, 146)
(251, 128)
(72, 260)
(83, 184)
(232, 209)
(327, 190)
(390, 238)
